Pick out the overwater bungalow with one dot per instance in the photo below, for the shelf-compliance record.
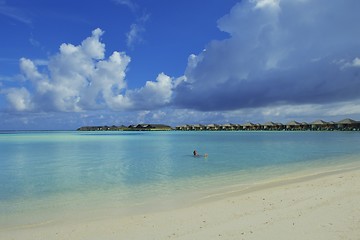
(280, 126)
(213, 127)
(269, 126)
(198, 127)
(250, 126)
(183, 127)
(293, 125)
(237, 126)
(305, 126)
(228, 126)
(348, 125)
(320, 125)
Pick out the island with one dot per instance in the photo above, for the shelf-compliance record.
(137, 127)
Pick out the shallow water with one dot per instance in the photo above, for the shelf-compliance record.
(57, 172)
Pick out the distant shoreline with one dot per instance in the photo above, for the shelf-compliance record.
(319, 125)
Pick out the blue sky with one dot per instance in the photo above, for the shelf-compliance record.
(65, 64)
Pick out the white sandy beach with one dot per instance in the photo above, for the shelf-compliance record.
(318, 206)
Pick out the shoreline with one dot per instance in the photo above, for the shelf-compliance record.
(283, 180)
(304, 205)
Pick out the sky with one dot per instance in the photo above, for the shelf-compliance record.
(71, 63)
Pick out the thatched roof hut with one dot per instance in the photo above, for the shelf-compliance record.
(212, 127)
(293, 125)
(271, 126)
(183, 127)
(319, 122)
(198, 127)
(348, 124)
(322, 125)
(347, 121)
(229, 126)
(250, 126)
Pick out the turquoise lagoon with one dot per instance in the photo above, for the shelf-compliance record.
(49, 176)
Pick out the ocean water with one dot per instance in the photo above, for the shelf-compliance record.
(45, 176)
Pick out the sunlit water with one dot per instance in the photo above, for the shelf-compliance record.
(46, 175)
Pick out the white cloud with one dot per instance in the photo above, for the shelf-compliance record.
(19, 98)
(137, 29)
(79, 78)
(107, 83)
(153, 94)
(273, 4)
(30, 70)
(134, 35)
(92, 46)
(354, 63)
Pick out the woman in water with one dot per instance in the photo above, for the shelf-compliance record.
(195, 153)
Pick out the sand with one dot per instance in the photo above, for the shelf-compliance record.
(317, 206)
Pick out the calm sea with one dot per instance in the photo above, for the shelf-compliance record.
(46, 175)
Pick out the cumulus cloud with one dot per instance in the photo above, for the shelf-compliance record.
(153, 94)
(19, 98)
(283, 59)
(80, 77)
(279, 52)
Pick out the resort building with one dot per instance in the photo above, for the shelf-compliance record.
(249, 126)
(213, 127)
(293, 126)
(321, 125)
(318, 125)
(348, 125)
